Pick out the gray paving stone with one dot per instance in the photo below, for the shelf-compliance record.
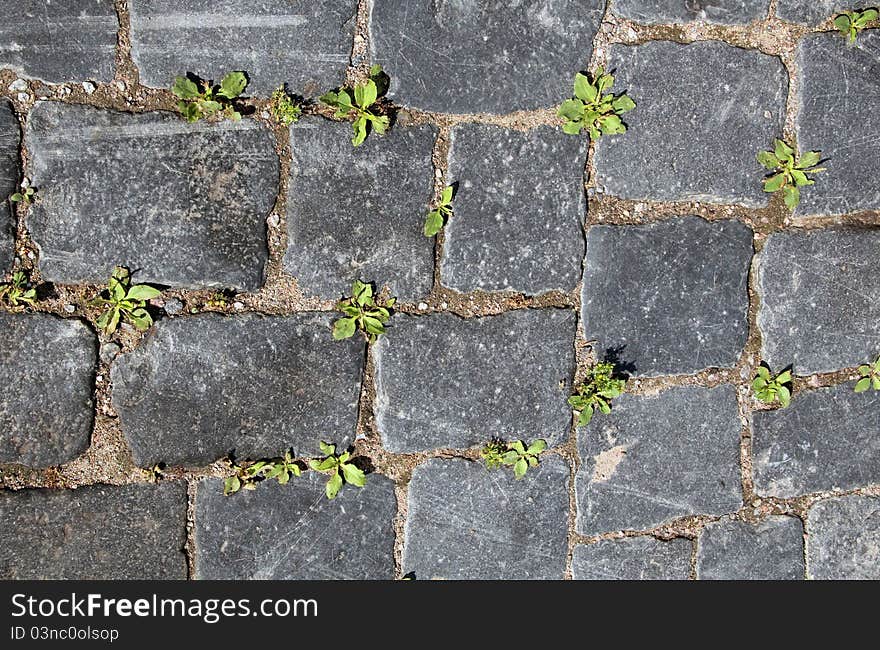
(841, 81)
(668, 297)
(47, 368)
(10, 139)
(826, 438)
(467, 523)
(735, 550)
(513, 229)
(699, 121)
(444, 381)
(185, 204)
(820, 299)
(843, 539)
(306, 43)
(200, 387)
(812, 12)
(358, 212)
(99, 532)
(657, 458)
(72, 40)
(464, 56)
(293, 532)
(664, 12)
(633, 558)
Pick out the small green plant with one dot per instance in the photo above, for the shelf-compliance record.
(769, 389)
(850, 23)
(204, 100)
(593, 109)
(788, 171)
(870, 376)
(493, 453)
(18, 290)
(358, 103)
(338, 468)
(283, 108)
(125, 302)
(596, 392)
(362, 313)
(26, 195)
(515, 454)
(438, 216)
(247, 477)
(219, 299)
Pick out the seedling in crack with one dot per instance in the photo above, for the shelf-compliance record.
(204, 100)
(26, 195)
(247, 477)
(514, 454)
(438, 216)
(770, 389)
(18, 291)
(870, 376)
(596, 392)
(339, 469)
(493, 453)
(850, 23)
(284, 109)
(125, 302)
(788, 171)
(358, 102)
(363, 313)
(593, 108)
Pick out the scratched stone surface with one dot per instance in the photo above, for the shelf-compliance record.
(633, 558)
(812, 12)
(844, 539)
(724, 12)
(736, 550)
(10, 139)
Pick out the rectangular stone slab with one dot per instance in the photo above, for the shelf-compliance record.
(665, 12)
(736, 550)
(10, 174)
(826, 439)
(813, 12)
(843, 539)
(65, 40)
(47, 370)
(184, 204)
(633, 558)
(200, 387)
(98, 532)
(444, 381)
(293, 532)
(304, 43)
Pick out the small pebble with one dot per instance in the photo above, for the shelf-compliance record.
(89, 87)
(273, 220)
(18, 85)
(23, 98)
(110, 351)
(238, 305)
(444, 305)
(768, 115)
(423, 306)
(70, 308)
(173, 306)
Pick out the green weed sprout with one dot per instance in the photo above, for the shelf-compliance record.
(594, 110)
(124, 302)
(205, 100)
(338, 468)
(769, 389)
(358, 103)
(788, 171)
(596, 392)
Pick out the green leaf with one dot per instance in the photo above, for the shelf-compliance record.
(16, 197)
(863, 384)
(354, 475)
(571, 128)
(232, 85)
(333, 486)
(369, 94)
(842, 23)
(784, 396)
(520, 468)
(112, 322)
(586, 416)
(518, 446)
(142, 292)
(185, 88)
(190, 111)
(809, 159)
(768, 160)
(784, 377)
(446, 195)
(359, 126)
(537, 447)
(774, 183)
(870, 14)
(434, 223)
(326, 448)
(571, 109)
(792, 196)
(231, 485)
(611, 125)
(141, 319)
(623, 104)
(510, 457)
(583, 89)
(783, 151)
(343, 328)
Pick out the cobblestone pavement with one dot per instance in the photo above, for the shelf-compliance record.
(656, 249)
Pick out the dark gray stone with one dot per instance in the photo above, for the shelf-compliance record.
(444, 381)
(184, 204)
(10, 139)
(657, 458)
(467, 523)
(698, 124)
(358, 212)
(633, 558)
(820, 299)
(735, 550)
(812, 12)
(827, 438)
(70, 40)
(293, 532)
(722, 12)
(464, 56)
(843, 539)
(304, 43)
(98, 532)
(669, 297)
(200, 387)
(513, 229)
(841, 81)
(47, 368)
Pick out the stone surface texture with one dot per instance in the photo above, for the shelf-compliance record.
(444, 381)
(305, 44)
(184, 204)
(726, 12)
(812, 12)
(358, 212)
(98, 532)
(735, 550)
(670, 297)
(47, 370)
(10, 139)
(465, 56)
(513, 229)
(693, 102)
(202, 387)
(820, 302)
(633, 558)
(465, 522)
(653, 459)
(293, 532)
(844, 539)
